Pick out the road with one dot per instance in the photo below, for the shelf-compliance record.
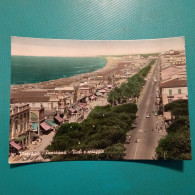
(145, 131)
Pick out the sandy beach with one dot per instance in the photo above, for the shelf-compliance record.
(111, 65)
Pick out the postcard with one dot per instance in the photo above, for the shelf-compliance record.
(98, 100)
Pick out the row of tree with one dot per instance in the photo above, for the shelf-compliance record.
(105, 128)
(177, 143)
(131, 89)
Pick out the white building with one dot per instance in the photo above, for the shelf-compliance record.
(173, 90)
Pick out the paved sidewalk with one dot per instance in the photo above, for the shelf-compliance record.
(32, 153)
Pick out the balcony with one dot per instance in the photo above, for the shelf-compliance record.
(170, 96)
(18, 109)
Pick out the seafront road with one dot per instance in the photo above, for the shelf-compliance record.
(145, 135)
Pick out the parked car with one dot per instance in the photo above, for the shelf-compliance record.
(155, 113)
(128, 139)
(148, 115)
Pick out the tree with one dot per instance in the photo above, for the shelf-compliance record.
(111, 97)
(115, 96)
(181, 124)
(178, 108)
(175, 146)
(115, 152)
(104, 128)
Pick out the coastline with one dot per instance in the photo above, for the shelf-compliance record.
(111, 63)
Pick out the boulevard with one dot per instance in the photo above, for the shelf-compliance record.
(143, 139)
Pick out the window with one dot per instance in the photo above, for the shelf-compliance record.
(179, 91)
(21, 127)
(16, 126)
(170, 92)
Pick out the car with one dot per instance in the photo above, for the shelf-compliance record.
(137, 140)
(128, 139)
(155, 113)
(148, 115)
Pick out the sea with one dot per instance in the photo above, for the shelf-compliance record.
(33, 69)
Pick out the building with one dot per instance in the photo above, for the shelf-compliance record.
(85, 90)
(19, 135)
(51, 101)
(70, 91)
(166, 73)
(173, 90)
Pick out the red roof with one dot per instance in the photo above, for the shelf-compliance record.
(102, 91)
(59, 119)
(82, 104)
(45, 126)
(174, 83)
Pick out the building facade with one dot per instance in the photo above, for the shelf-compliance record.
(19, 135)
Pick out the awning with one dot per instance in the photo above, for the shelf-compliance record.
(109, 86)
(72, 110)
(15, 145)
(102, 90)
(59, 119)
(82, 104)
(51, 123)
(98, 93)
(35, 126)
(45, 126)
(93, 97)
(22, 137)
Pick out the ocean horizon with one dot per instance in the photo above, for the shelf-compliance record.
(35, 69)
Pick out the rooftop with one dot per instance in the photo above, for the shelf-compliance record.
(174, 83)
(29, 99)
(18, 105)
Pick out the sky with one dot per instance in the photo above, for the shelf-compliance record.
(25, 46)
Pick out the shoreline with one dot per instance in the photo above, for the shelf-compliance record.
(111, 63)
